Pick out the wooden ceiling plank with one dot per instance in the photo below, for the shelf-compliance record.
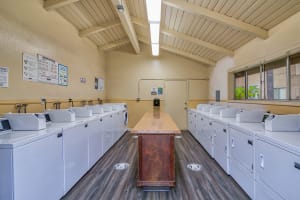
(178, 20)
(191, 56)
(243, 8)
(229, 21)
(186, 37)
(96, 29)
(182, 53)
(127, 24)
(256, 10)
(54, 4)
(278, 9)
(227, 7)
(82, 15)
(212, 4)
(219, 6)
(233, 10)
(197, 41)
(284, 16)
(114, 44)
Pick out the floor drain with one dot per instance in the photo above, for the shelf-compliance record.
(121, 166)
(178, 137)
(194, 167)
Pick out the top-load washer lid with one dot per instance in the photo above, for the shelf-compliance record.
(26, 121)
(82, 111)
(61, 115)
(281, 123)
(250, 116)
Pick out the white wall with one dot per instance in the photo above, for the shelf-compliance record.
(25, 26)
(125, 69)
(283, 38)
(219, 78)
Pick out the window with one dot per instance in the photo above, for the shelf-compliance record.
(275, 80)
(239, 86)
(295, 76)
(253, 86)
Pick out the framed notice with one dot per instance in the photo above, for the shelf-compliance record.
(99, 84)
(30, 67)
(3, 77)
(63, 75)
(47, 70)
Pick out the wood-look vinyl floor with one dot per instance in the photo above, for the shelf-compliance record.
(105, 183)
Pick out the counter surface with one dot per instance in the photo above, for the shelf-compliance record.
(156, 123)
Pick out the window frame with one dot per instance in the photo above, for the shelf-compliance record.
(262, 82)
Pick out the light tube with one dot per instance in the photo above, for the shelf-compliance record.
(153, 10)
(154, 33)
(155, 49)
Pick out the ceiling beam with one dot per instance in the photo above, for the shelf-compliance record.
(188, 55)
(181, 53)
(96, 29)
(140, 22)
(114, 44)
(126, 23)
(182, 36)
(220, 18)
(197, 41)
(54, 4)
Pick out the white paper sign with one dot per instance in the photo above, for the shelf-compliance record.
(4, 77)
(48, 70)
(63, 75)
(30, 67)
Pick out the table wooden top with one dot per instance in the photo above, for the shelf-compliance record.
(156, 123)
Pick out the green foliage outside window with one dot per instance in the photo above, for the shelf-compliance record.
(253, 92)
(239, 93)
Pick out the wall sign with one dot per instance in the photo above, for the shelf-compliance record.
(47, 70)
(99, 84)
(63, 76)
(4, 77)
(30, 67)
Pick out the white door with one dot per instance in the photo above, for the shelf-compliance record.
(38, 169)
(76, 155)
(175, 102)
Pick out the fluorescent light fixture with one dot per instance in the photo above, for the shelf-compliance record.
(154, 33)
(153, 10)
(154, 15)
(155, 49)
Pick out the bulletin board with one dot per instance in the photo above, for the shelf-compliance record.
(47, 70)
(150, 89)
(40, 68)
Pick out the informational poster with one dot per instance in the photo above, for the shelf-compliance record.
(159, 91)
(63, 75)
(99, 84)
(30, 67)
(47, 70)
(3, 77)
(153, 91)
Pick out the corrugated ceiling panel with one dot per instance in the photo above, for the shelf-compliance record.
(98, 11)
(262, 13)
(97, 39)
(137, 8)
(77, 21)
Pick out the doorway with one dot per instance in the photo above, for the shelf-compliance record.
(176, 101)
